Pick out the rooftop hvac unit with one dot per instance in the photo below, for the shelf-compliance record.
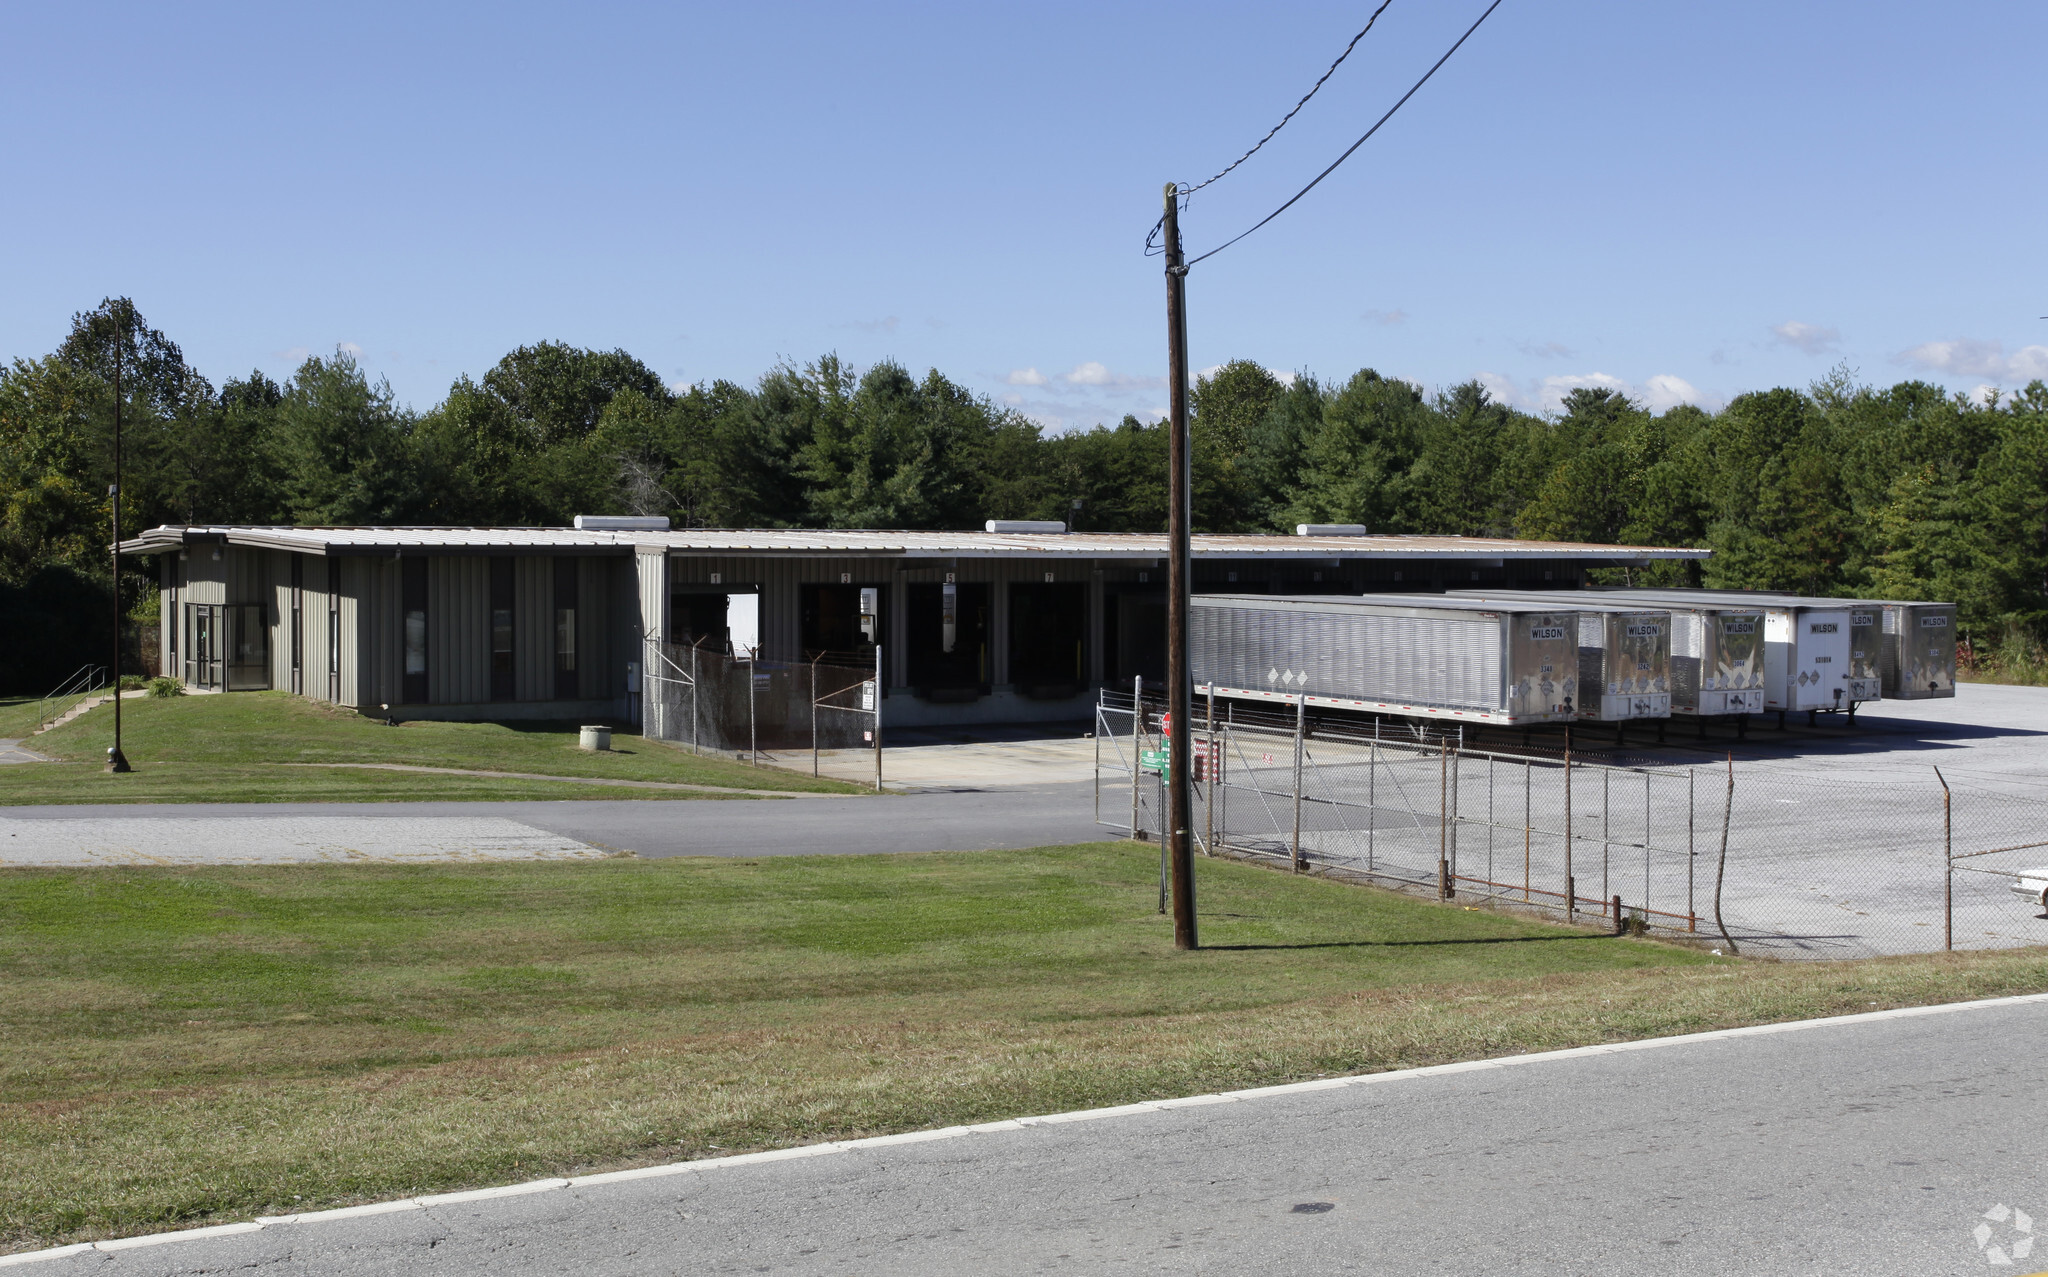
(1819, 654)
(1717, 652)
(1419, 656)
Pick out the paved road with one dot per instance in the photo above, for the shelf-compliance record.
(1870, 1147)
(935, 821)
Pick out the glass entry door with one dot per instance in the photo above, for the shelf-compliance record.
(204, 651)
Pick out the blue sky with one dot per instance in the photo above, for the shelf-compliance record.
(1690, 201)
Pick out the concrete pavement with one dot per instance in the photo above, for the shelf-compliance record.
(220, 833)
(1902, 1144)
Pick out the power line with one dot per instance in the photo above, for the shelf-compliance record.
(1360, 142)
(1190, 190)
(1186, 191)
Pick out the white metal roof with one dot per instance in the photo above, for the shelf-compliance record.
(875, 544)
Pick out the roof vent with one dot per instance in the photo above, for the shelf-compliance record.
(622, 523)
(1329, 529)
(1026, 525)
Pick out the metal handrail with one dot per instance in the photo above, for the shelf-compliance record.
(82, 683)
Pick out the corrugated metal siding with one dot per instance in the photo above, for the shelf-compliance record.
(1450, 661)
(206, 579)
(458, 630)
(315, 605)
(167, 569)
(533, 629)
(593, 631)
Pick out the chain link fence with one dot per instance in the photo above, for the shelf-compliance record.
(763, 710)
(1771, 861)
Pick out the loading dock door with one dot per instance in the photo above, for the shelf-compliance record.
(832, 624)
(947, 646)
(1048, 643)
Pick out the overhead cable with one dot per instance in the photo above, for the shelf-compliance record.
(1186, 191)
(1360, 142)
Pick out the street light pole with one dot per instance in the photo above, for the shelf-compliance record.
(117, 762)
(1179, 681)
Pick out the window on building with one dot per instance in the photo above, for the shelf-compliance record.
(503, 680)
(413, 596)
(566, 682)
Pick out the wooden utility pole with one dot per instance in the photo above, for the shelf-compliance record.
(117, 761)
(1179, 680)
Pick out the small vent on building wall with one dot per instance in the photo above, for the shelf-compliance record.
(1025, 525)
(1330, 530)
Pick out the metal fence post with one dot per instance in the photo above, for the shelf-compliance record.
(1489, 827)
(1215, 776)
(696, 707)
(1948, 869)
(1721, 868)
(1443, 829)
(1646, 845)
(1372, 799)
(1528, 826)
(1300, 727)
(1606, 829)
(753, 734)
(1137, 726)
(1571, 888)
(878, 721)
(1692, 917)
(1100, 723)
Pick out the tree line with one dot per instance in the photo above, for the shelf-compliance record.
(1839, 488)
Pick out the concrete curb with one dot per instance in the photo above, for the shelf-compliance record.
(985, 1128)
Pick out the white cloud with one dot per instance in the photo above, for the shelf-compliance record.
(1547, 350)
(1502, 389)
(293, 355)
(1981, 395)
(1385, 318)
(1284, 378)
(1098, 375)
(1208, 372)
(1965, 357)
(1809, 339)
(1551, 391)
(1659, 393)
(1664, 392)
(1025, 377)
(349, 348)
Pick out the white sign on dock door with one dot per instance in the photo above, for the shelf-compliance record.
(743, 623)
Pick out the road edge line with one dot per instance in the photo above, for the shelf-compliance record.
(1010, 1124)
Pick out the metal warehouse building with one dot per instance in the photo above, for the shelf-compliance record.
(1003, 625)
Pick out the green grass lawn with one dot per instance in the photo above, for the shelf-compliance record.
(238, 747)
(194, 1045)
